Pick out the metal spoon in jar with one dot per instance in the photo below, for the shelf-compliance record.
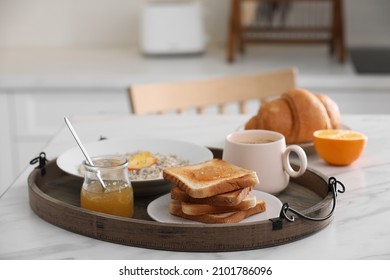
(89, 161)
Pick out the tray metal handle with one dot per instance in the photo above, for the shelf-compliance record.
(277, 223)
(41, 160)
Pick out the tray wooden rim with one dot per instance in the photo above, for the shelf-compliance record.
(175, 237)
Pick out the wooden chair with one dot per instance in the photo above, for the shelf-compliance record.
(181, 96)
(311, 22)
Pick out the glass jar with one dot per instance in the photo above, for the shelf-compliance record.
(117, 197)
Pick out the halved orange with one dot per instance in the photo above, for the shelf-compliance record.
(141, 160)
(338, 146)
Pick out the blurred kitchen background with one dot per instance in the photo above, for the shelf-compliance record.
(71, 57)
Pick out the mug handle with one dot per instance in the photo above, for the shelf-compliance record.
(302, 160)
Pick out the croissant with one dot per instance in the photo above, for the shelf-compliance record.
(297, 114)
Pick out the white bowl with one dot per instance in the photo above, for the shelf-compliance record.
(71, 160)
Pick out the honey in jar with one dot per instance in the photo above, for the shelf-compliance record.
(116, 196)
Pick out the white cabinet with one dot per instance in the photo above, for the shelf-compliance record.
(30, 117)
(7, 170)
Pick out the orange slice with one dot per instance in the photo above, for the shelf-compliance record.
(339, 134)
(338, 146)
(141, 160)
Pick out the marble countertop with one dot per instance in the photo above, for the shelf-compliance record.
(116, 68)
(360, 229)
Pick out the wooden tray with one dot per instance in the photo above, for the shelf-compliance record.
(54, 197)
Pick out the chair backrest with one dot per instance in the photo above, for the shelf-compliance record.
(161, 98)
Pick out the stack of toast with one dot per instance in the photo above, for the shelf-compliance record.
(214, 191)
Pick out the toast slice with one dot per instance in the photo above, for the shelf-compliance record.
(224, 199)
(200, 209)
(210, 178)
(224, 218)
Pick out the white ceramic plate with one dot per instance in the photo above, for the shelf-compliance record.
(70, 160)
(158, 210)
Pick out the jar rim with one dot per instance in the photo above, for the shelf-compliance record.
(100, 162)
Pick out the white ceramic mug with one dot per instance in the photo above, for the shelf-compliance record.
(266, 153)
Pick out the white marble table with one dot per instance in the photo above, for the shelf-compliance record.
(360, 229)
